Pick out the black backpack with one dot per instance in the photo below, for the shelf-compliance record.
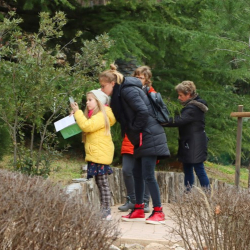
(161, 113)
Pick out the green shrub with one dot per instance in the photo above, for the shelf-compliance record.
(37, 79)
(5, 140)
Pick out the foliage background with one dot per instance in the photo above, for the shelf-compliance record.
(203, 41)
(5, 140)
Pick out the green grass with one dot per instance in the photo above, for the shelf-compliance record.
(5, 162)
(227, 173)
(63, 170)
(68, 168)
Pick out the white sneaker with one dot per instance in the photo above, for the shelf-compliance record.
(106, 214)
(108, 218)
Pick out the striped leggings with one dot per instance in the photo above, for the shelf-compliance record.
(103, 186)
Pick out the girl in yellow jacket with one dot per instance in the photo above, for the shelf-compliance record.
(95, 123)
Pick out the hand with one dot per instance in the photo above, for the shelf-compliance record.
(74, 106)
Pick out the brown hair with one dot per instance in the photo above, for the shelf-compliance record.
(186, 87)
(112, 75)
(146, 71)
(98, 108)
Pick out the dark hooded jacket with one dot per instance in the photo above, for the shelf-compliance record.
(192, 135)
(136, 118)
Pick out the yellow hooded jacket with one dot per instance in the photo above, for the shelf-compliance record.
(99, 147)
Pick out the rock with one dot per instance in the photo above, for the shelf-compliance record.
(113, 247)
(85, 167)
(156, 246)
(170, 183)
(74, 188)
(79, 180)
(177, 247)
(133, 247)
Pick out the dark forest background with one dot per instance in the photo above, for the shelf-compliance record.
(205, 41)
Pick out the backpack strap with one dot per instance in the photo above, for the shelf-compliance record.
(151, 102)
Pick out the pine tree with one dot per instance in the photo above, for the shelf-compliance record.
(203, 41)
(5, 139)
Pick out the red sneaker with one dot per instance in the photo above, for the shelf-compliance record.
(137, 214)
(157, 217)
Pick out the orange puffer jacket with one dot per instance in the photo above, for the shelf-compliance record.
(127, 146)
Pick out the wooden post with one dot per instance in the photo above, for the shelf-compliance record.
(238, 148)
(249, 177)
(239, 115)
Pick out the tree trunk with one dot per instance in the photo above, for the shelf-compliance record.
(14, 136)
(249, 177)
(32, 139)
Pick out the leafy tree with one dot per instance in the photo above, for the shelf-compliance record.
(5, 140)
(36, 81)
(140, 29)
(221, 49)
(204, 41)
(43, 5)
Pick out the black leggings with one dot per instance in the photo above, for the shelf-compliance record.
(128, 162)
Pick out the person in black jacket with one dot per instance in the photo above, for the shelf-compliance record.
(133, 111)
(192, 151)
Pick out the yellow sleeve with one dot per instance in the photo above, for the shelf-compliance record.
(92, 124)
(111, 116)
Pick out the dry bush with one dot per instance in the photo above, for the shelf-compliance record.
(219, 219)
(36, 214)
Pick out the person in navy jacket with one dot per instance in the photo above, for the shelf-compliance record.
(132, 109)
(192, 151)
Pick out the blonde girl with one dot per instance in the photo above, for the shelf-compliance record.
(95, 123)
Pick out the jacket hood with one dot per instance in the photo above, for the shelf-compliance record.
(131, 81)
(201, 104)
